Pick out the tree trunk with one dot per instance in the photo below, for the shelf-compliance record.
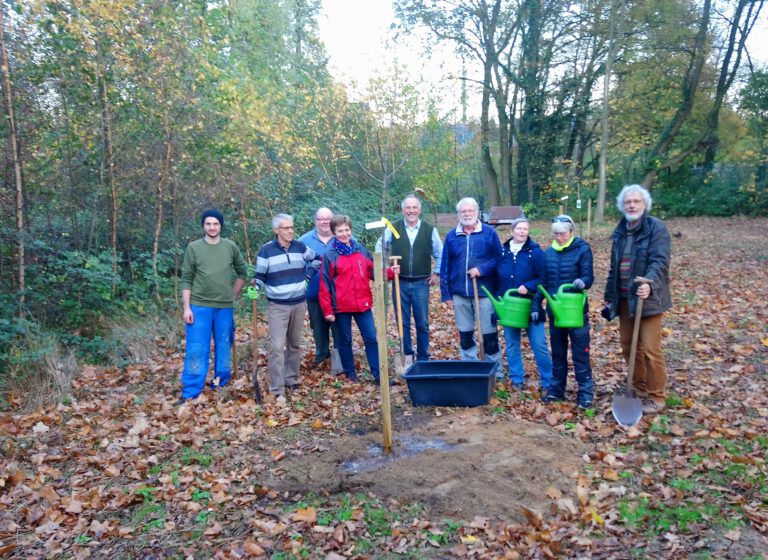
(489, 173)
(162, 179)
(690, 85)
(614, 30)
(107, 128)
(8, 99)
(738, 31)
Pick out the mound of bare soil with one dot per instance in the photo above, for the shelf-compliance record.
(459, 465)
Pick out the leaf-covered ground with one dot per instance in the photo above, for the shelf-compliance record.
(118, 471)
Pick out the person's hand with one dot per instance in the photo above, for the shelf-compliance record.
(395, 269)
(434, 280)
(578, 284)
(643, 291)
(448, 304)
(474, 272)
(534, 317)
(330, 318)
(522, 290)
(189, 317)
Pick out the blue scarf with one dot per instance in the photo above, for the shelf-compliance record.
(343, 249)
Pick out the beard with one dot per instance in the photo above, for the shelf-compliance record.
(469, 221)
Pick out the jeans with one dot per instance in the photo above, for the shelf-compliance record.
(367, 330)
(207, 321)
(579, 339)
(537, 337)
(415, 295)
(650, 375)
(320, 330)
(464, 314)
(286, 323)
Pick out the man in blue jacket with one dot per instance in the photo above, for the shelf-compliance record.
(471, 250)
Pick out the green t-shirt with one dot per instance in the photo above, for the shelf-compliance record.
(210, 270)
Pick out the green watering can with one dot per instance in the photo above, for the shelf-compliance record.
(512, 311)
(568, 308)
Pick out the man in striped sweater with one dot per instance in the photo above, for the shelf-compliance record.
(280, 272)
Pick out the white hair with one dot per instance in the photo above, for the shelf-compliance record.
(410, 197)
(632, 189)
(468, 201)
(562, 223)
(279, 218)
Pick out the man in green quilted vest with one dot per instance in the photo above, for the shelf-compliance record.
(418, 246)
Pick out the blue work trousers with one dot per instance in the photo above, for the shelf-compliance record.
(207, 321)
(367, 330)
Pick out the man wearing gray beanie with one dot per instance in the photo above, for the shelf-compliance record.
(208, 293)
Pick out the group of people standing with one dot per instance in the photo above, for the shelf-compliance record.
(328, 273)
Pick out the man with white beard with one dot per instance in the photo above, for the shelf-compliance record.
(641, 247)
(471, 250)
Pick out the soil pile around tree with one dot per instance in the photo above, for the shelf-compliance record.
(459, 465)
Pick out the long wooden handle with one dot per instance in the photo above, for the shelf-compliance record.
(480, 345)
(635, 332)
(399, 310)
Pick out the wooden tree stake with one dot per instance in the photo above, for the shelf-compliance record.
(381, 335)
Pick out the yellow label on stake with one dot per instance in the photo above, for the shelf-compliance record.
(391, 227)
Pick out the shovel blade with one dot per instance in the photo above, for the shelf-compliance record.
(402, 363)
(627, 409)
(336, 362)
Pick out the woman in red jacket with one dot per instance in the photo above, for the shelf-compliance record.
(345, 292)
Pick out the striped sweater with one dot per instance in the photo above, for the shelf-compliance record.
(281, 272)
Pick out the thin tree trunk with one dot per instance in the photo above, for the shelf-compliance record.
(107, 126)
(614, 30)
(8, 99)
(162, 179)
(690, 85)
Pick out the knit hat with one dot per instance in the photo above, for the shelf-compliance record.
(212, 213)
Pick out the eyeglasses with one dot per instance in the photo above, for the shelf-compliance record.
(562, 220)
(322, 219)
(285, 227)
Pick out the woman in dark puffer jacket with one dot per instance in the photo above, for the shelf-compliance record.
(568, 261)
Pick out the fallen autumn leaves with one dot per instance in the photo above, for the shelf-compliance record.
(119, 472)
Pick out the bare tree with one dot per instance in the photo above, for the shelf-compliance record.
(14, 139)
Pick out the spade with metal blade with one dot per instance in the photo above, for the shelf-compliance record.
(627, 408)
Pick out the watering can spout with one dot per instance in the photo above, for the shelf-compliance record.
(496, 302)
(551, 302)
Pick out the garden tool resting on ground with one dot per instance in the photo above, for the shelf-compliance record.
(402, 362)
(627, 408)
(480, 344)
(253, 295)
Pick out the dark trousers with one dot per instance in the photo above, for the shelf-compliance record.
(579, 339)
(320, 331)
(414, 296)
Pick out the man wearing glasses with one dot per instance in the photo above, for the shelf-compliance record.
(280, 271)
(318, 239)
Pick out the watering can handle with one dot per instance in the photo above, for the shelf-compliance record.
(511, 291)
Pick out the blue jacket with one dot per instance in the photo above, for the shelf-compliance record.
(563, 267)
(461, 252)
(524, 269)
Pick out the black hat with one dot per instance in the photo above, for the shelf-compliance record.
(212, 213)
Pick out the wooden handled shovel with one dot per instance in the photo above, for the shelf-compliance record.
(253, 294)
(401, 362)
(627, 408)
(480, 345)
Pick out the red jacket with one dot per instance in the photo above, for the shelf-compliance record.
(345, 281)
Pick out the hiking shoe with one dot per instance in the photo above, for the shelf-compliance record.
(550, 398)
(281, 401)
(182, 401)
(292, 387)
(651, 406)
(584, 405)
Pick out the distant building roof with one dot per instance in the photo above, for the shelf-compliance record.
(500, 215)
